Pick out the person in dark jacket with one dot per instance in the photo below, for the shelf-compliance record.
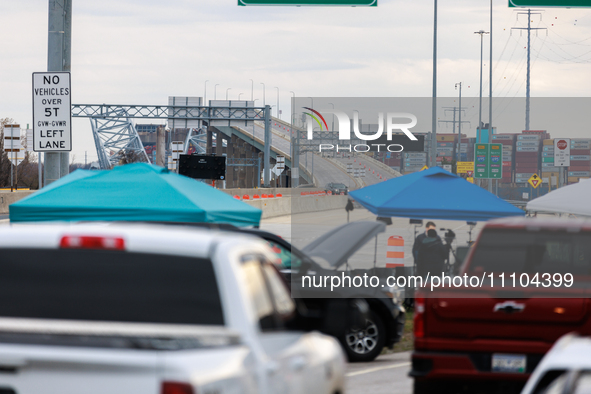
(419, 240)
(431, 253)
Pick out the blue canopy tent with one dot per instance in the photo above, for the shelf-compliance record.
(433, 194)
(133, 192)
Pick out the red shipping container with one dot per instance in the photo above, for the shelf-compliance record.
(524, 170)
(574, 152)
(527, 154)
(580, 168)
(526, 160)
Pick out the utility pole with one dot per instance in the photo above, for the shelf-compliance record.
(459, 123)
(59, 53)
(482, 33)
(490, 67)
(527, 83)
(433, 142)
(453, 122)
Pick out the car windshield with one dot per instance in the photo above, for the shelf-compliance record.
(99, 285)
(338, 185)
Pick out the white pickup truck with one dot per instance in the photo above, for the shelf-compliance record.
(151, 309)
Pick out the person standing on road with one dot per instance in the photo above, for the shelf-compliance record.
(431, 254)
(419, 240)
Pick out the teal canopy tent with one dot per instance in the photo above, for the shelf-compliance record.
(133, 192)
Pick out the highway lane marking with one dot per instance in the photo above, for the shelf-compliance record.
(370, 370)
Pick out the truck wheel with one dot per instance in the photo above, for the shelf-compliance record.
(367, 343)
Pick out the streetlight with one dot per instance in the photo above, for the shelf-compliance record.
(251, 90)
(215, 91)
(227, 90)
(277, 102)
(205, 93)
(482, 33)
(264, 99)
(460, 123)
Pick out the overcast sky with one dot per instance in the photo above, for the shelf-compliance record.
(142, 51)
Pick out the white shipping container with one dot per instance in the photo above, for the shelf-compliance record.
(527, 143)
(528, 137)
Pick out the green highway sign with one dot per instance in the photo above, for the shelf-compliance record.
(488, 161)
(550, 3)
(298, 3)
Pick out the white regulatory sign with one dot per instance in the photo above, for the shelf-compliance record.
(52, 112)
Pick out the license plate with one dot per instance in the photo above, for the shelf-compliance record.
(514, 363)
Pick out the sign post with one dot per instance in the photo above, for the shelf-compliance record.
(52, 112)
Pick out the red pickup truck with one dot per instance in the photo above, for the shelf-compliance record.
(490, 338)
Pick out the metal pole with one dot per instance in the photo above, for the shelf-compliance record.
(459, 123)
(251, 90)
(58, 59)
(264, 98)
(227, 90)
(528, 65)
(490, 67)
(267, 151)
(294, 149)
(482, 33)
(13, 159)
(215, 91)
(434, 97)
(205, 93)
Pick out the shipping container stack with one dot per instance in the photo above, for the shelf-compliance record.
(508, 141)
(446, 148)
(414, 161)
(550, 173)
(527, 156)
(467, 149)
(392, 160)
(580, 159)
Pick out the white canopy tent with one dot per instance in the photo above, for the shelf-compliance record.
(572, 199)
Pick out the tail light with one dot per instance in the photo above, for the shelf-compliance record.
(88, 242)
(419, 317)
(176, 388)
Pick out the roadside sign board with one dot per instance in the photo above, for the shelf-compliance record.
(550, 3)
(447, 167)
(535, 181)
(280, 160)
(424, 168)
(561, 152)
(488, 161)
(464, 167)
(346, 3)
(177, 149)
(52, 112)
(12, 138)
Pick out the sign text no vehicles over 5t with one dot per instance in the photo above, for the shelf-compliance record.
(52, 112)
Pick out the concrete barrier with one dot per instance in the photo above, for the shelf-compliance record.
(273, 207)
(7, 198)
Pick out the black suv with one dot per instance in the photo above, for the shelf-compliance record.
(385, 321)
(336, 188)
